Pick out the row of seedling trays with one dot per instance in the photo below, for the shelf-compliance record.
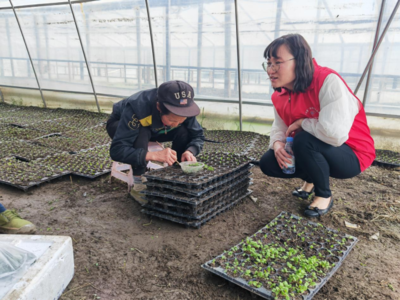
(290, 258)
(23, 174)
(194, 199)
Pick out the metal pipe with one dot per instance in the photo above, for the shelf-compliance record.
(377, 45)
(84, 55)
(152, 43)
(378, 27)
(47, 4)
(238, 63)
(29, 54)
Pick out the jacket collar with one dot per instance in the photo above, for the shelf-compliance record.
(156, 116)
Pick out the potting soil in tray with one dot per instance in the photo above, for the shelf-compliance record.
(223, 165)
(387, 158)
(214, 202)
(207, 217)
(290, 258)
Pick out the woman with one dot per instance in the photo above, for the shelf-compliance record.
(332, 137)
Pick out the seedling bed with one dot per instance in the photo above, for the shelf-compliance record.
(24, 150)
(223, 165)
(196, 223)
(290, 258)
(259, 148)
(230, 136)
(189, 201)
(24, 175)
(64, 143)
(387, 158)
(200, 211)
(13, 133)
(187, 189)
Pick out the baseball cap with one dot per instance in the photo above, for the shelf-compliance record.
(177, 96)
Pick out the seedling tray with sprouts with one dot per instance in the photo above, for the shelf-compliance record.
(198, 223)
(387, 158)
(79, 164)
(290, 258)
(259, 148)
(177, 208)
(13, 133)
(24, 150)
(24, 175)
(230, 136)
(169, 188)
(222, 165)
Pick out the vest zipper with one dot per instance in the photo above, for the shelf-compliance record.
(290, 107)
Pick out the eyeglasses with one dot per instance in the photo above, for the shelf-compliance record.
(275, 67)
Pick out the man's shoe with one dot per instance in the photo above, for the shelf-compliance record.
(302, 194)
(136, 194)
(12, 223)
(315, 212)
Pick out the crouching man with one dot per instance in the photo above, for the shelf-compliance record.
(167, 113)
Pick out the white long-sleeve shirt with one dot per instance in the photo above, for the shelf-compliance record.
(338, 108)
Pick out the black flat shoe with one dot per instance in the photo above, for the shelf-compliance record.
(302, 194)
(315, 212)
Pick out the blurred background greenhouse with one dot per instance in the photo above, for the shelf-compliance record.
(90, 54)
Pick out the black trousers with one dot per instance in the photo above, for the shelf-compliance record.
(179, 138)
(315, 162)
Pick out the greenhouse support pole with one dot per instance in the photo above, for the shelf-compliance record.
(84, 55)
(152, 43)
(378, 28)
(377, 45)
(238, 64)
(29, 54)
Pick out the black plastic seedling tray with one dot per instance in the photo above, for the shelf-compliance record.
(36, 183)
(199, 211)
(387, 158)
(225, 166)
(183, 188)
(196, 223)
(274, 235)
(186, 199)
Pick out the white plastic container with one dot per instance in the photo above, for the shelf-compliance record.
(47, 278)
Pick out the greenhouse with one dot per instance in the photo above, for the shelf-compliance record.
(199, 149)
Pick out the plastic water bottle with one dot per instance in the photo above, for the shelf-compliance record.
(288, 147)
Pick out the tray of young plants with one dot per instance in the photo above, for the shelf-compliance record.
(13, 133)
(258, 148)
(64, 143)
(79, 164)
(218, 166)
(229, 203)
(183, 209)
(24, 175)
(189, 200)
(24, 150)
(230, 136)
(290, 258)
(167, 187)
(387, 158)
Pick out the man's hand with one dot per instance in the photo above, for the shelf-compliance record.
(296, 127)
(188, 156)
(165, 156)
(282, 157)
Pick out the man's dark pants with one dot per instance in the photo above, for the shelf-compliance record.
(178, 136)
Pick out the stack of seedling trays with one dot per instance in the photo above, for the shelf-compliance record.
(194, 199)
(387, 158)
(290, 258)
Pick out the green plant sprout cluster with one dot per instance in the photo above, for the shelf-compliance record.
(388, 156)
(283, 256)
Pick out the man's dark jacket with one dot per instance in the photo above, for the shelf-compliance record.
(140, 110)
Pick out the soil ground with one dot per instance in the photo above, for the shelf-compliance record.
(121, 253)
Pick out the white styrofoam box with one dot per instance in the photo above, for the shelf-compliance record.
(46, 278)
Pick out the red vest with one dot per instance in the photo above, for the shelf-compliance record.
(306, 105)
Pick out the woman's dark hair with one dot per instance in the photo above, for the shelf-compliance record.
(301, 51)
(164, 110)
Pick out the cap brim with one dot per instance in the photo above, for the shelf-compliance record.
(188, 111)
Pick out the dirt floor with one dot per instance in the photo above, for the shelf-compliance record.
(121, 253)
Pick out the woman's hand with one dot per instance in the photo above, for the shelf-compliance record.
(282, 157)
(295, 127)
